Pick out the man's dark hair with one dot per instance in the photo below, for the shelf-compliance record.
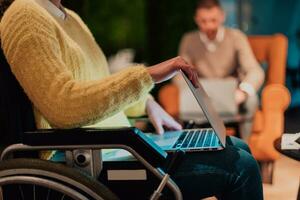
(208, 4)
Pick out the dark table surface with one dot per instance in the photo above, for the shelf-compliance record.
(294, 154)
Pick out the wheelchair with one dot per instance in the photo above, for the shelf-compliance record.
(83, 175)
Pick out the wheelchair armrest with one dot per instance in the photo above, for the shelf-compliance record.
(131, 137)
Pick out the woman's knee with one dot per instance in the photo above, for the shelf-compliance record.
(236, 142)
(249, 170)
(248, 162)
(247, 181)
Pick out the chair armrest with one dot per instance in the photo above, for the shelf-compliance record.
(275, 100)
(275, 97)
(131, 137)
(258, 122)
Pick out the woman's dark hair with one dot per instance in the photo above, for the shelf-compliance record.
(4, 4)
(208, 4)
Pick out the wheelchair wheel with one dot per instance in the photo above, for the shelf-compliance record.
(33, 179)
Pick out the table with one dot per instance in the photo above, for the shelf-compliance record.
(294, 154)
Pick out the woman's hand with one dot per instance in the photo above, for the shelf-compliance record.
(166, 70)
(160, 118)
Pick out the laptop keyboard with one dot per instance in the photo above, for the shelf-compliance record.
(197, 139)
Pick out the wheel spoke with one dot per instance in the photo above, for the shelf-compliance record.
(16, 184)
(21, 192)
(33, 192)
(1, 193)
(48, 194)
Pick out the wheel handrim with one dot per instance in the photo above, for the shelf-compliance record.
(37, 181)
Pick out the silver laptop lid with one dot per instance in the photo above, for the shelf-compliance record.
(209, 111)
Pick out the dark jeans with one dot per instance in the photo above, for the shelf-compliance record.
(228, 174)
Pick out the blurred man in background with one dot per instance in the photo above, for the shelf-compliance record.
(219, 52)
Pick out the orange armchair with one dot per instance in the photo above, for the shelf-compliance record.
(269, 120)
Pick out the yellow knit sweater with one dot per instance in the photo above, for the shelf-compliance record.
(64, 72)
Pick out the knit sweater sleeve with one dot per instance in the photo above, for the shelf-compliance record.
(33, 51)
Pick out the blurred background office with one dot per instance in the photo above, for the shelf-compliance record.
(152, 30)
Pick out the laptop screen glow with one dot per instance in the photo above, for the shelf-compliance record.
(208, 110)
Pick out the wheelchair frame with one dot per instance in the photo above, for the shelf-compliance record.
(92, 154)
(77, 140)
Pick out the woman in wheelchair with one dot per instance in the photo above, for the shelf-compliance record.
(62, 70)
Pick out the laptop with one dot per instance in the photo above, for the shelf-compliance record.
(210, 139)
(223, 102)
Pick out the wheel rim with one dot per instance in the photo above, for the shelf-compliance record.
(62, 192)
(47, 176)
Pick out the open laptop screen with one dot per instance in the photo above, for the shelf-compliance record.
(209, 111)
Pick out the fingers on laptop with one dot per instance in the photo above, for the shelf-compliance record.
(171, 124)
(190, 72)
(167, 122)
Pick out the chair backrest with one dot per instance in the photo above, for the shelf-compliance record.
(272, 50)
(16, 113)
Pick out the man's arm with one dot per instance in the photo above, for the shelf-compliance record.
(253, 74)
